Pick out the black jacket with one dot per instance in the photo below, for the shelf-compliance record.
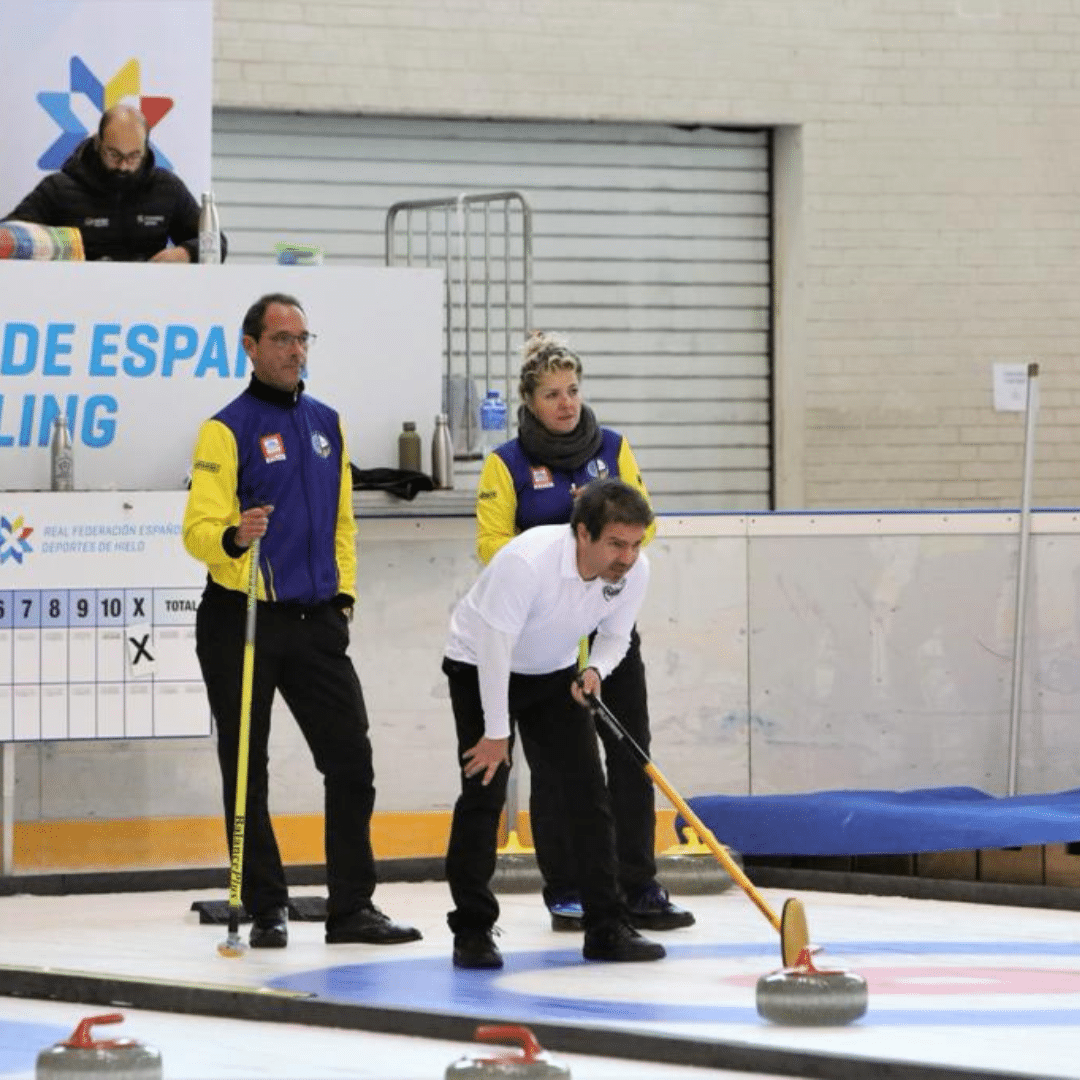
(128, 226)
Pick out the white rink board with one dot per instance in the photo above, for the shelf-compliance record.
(97, 618)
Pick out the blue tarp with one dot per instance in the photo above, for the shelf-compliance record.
(887, 822)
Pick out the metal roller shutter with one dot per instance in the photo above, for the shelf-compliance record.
(651, 253)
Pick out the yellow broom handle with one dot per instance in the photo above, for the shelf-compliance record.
(714, 845)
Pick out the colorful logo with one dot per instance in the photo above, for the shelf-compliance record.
(125, 83)
(13, 539)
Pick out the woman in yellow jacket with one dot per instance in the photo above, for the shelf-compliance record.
(532, 480)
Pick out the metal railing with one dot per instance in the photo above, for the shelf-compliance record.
(487, 313)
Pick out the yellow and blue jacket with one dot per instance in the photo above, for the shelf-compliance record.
(287, 450)
(514, 493)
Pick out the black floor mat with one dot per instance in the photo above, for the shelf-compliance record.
(301, 909)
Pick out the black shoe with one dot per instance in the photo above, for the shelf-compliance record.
(368, 926)
(566, 912)
(620, 942)
(270, 929)
(476, 949)
(652, 910)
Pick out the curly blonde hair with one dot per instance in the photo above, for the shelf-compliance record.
(543, 354)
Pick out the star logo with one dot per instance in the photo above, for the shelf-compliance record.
(126, 83)
(13, 539)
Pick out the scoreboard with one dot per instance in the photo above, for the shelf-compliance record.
(97, 618)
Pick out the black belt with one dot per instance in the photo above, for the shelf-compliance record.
(288, 609)
(291, 609)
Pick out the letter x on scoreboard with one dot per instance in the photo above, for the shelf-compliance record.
(99, 664)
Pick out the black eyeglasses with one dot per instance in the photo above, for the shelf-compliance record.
(283, 339)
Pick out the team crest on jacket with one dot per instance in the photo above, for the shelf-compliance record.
(597, 468)
(320, 443)
(613, 588)
(541, 477)
(273, 448)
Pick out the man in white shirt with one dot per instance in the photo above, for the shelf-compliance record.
(512, 650)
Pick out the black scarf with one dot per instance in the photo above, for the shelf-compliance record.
(567, 452)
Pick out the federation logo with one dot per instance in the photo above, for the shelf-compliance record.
(597, 468)
(125, 83)
(14, 542)
(320, 444)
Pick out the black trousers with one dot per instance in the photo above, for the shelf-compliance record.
(556, 732)
(302, 654)
(633, 800)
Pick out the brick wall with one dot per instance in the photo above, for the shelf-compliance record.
(936, 189)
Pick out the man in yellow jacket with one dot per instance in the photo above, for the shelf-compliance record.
(273, 464)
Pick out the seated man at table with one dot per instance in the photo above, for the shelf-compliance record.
(127, 207)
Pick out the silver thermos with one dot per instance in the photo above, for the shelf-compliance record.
(63, 461)
(442, 454)
(209, 230)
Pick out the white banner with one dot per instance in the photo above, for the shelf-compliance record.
(67, 61)
(136, 356)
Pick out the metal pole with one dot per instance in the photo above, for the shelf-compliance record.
(448, 284)
(7, 785)
(509, 353)
(1021, 573)
(465, 239)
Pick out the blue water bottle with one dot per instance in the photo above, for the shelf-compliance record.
(492, 422)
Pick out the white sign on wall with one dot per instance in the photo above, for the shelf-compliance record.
(1010, 387)
(65, 63)
(137, 356)
(97, 618)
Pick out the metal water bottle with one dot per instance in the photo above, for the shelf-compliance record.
(442, 454)
(209, 230)
(63, 460)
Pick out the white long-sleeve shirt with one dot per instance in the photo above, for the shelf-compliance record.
(530, 608)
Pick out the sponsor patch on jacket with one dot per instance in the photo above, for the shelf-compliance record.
(96, 223)
(273, 448)
(320, 444)
(206, 466)
(150, 221)
(541, 477)
(597, 468)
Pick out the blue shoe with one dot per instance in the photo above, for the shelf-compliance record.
(567, 913)
(651, 909)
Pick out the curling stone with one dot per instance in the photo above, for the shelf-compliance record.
(80, 1057)
(806, 996)
(531, 1063)
(691, 869)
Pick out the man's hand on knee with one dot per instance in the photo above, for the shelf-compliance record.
(486, 757)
